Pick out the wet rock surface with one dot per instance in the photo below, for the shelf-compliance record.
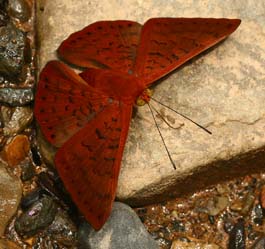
(13, 49)
(10, 195)
(122, 230)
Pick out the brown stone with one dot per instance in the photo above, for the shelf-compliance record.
(17, 150)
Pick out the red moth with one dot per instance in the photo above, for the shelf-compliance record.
(87, 116)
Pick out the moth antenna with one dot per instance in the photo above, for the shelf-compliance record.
(182, 115)
(161, 116)
(169, 156)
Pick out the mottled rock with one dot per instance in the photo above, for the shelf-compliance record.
(40, 215)
(122, 230)
(222, 89)
(10, 195)
(17, 150)
(13, 44)
(177, 244)
(19, 120)
(19, 9)
(7, 244)
(16, 96)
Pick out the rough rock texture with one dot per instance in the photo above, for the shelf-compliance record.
(223, 89)
(10, 195)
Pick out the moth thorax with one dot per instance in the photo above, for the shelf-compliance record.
(144, 97)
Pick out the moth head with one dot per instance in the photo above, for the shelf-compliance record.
(144, 97)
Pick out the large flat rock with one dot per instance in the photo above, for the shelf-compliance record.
(223, 89)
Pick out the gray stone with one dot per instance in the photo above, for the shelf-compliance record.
(13, 45)
(222, 89)
(10, 195)
(16, 96)
(122, 230)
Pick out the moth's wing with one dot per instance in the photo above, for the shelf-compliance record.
(64, 102)
(167, 43)
(89, 162)
(104, 44)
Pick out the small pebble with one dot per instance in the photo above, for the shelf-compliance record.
(13, 45)
(20, 119)
(217, 204)
(19, 9)
(40, 215)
